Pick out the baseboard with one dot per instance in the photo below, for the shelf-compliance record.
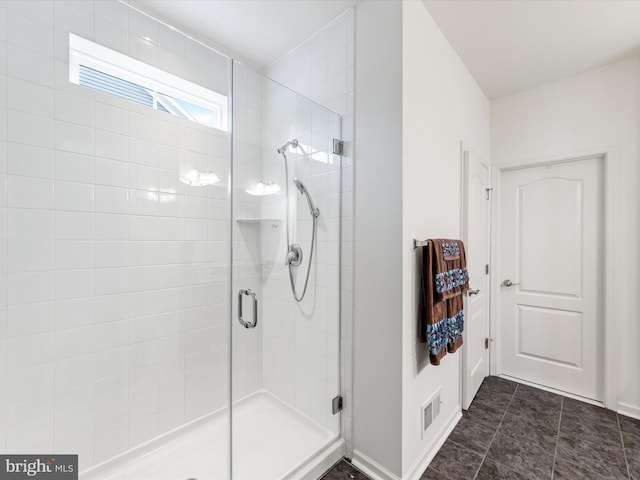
(424, 459)
(378, 472)
(629, 410)
(371, 468)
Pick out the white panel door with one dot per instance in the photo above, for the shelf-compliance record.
(476, 239)
(551, 268)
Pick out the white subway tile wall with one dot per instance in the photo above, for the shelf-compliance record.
(113, 273)
(321, 68)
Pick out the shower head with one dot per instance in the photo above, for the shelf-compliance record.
(303, 190)
(300, 186)
(291, 143)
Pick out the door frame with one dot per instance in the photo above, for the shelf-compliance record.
(465, 147)
(609, 157)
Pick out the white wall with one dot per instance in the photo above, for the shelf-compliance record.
(377, 335)
(113, 293)
(443, 105)
(415, 103)
(593, 111)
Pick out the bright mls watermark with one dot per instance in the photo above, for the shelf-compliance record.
(49, 467)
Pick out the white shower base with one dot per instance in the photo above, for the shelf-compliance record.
(270, 438)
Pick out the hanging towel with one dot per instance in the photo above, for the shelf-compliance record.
(444, 278)
(451, 276)
(455, 323)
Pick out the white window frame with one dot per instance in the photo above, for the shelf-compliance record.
(103, 59)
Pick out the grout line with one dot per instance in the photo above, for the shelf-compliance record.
(462, 446)
(496, 432)
(555, 452)
(624, 450)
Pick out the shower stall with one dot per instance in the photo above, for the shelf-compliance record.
(170, 222)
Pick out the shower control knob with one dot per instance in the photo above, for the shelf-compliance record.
(294, 257)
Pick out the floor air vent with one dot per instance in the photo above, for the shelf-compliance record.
(430, 411)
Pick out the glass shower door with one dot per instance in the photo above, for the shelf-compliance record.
(286, 233)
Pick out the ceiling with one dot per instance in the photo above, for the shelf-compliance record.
(508, 45)
(511, 46)
(258, 31)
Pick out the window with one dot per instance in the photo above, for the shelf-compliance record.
(108, 71)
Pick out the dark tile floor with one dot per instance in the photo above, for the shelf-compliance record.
(512, 431)
(343, 470)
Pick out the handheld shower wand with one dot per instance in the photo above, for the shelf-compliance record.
(294, 250)
(303, 190)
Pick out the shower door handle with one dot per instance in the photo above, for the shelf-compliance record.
(241, 294)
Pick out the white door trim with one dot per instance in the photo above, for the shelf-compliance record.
(611, 324)
(465, 147)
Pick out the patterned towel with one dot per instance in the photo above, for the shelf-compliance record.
(444, 278)
(451, 276)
